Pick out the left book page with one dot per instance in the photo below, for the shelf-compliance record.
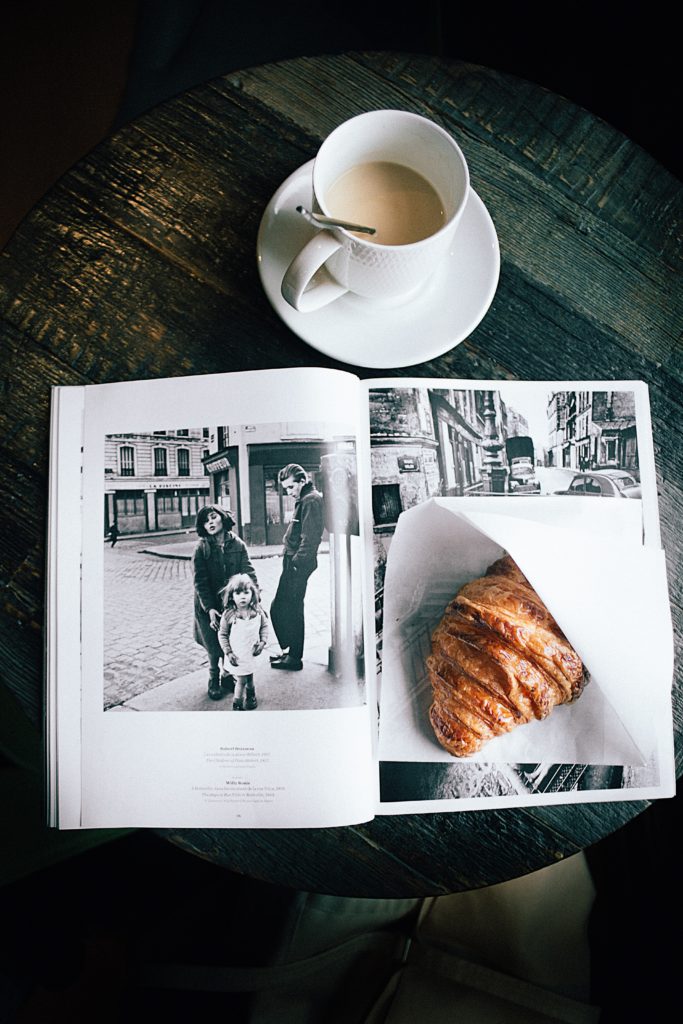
(153, 716)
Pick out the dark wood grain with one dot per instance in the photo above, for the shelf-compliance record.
(140, 262)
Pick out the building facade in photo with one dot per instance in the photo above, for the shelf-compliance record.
(154, 481)
(435, 442)
(593, 430)
(158, 481)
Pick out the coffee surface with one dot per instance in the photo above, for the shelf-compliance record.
(402, 205)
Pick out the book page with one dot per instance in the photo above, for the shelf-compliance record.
(463, 472)
(177, 730)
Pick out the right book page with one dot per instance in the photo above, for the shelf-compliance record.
(464, 473)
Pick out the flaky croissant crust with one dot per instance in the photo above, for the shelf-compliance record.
(498, 660)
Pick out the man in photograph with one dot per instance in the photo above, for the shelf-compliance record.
(301, 542)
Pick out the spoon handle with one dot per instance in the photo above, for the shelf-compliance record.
(318, 220)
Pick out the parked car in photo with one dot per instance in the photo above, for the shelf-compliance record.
(554, 478)
(606, 483)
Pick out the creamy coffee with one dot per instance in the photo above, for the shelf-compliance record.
(402, 205)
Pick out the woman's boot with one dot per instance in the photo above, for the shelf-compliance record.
(215, 688)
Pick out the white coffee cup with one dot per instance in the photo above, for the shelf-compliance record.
(336, 261)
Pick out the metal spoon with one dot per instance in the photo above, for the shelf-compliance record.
(317, 220)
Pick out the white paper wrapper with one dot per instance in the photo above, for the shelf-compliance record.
(586, 560)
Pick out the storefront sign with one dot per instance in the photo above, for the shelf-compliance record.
(188, 486)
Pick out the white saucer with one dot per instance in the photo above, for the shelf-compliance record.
(363, 332)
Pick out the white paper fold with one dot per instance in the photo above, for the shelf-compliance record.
(608, 593)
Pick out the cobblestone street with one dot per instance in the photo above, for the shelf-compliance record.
(148, 642)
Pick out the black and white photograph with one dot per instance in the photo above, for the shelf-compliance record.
(231, 576)
(437, 453)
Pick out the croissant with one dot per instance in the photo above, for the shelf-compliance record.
(498, 660)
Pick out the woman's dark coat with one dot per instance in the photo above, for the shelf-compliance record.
(214, 562)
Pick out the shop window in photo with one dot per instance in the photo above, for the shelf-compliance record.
(130, 512)
(130, 505)
(273, 506)
(610, 449)
(167, 503)
(386, 504)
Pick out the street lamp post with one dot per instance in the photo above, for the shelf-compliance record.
(495, 473)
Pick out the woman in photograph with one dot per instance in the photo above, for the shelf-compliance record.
(218, 555)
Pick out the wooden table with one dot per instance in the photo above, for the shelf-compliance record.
(140, 262)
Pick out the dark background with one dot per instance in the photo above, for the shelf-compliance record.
(71, 71)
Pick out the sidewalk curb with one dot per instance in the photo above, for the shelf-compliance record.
(188, 558)
(254, 553)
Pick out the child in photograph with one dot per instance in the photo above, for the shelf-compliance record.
(218, 556)
(242, 634)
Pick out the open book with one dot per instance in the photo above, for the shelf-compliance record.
(424, 483)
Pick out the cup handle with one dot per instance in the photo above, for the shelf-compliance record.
(300, 272)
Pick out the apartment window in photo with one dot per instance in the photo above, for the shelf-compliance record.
(127, 460)
(183, 462)
(160, 462)
(386, 504)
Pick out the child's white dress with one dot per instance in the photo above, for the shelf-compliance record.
(244, 634)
